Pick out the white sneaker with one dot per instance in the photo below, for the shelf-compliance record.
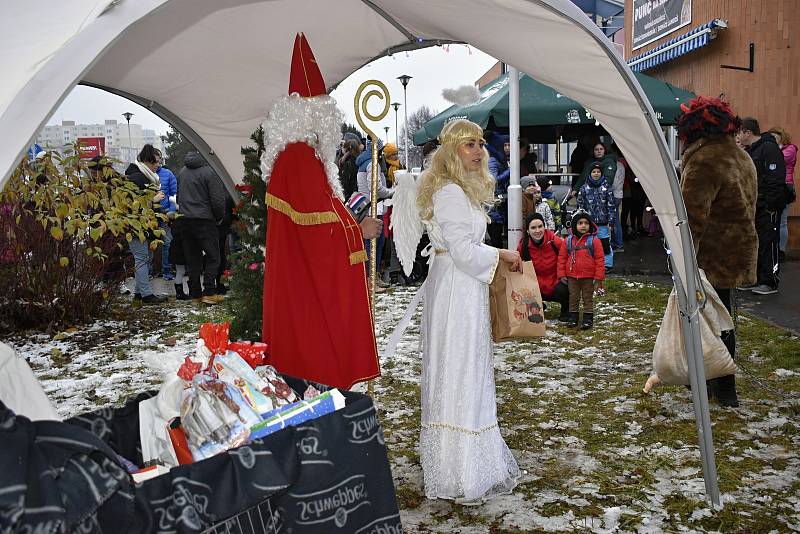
(764, 289)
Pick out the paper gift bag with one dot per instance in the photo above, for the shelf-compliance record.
(516, 303)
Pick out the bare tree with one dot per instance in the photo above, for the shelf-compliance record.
(416, 120)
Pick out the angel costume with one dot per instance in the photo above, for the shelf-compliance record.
(462, 453)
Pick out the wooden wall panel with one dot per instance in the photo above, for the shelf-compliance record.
(771, 93)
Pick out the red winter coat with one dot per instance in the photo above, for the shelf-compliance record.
(545, 261)
(580, 263)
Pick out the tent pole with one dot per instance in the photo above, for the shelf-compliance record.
(514, 189)
(690, 327)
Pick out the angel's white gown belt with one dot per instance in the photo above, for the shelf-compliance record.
(391, 344)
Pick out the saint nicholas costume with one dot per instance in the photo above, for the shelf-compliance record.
(316, 317)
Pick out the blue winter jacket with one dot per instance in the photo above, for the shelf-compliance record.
(597, 198)
(169, 185)
(501, 172)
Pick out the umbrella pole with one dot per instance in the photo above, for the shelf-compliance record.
(558, 151)
(361, 107)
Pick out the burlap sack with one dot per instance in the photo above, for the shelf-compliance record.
(669, 356)
(516, 303)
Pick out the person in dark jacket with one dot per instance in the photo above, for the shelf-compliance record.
(498, 167)
(608, 166)
(201, 202)
(541, 247)
(771, 172)
(348, 170)
(142, 172)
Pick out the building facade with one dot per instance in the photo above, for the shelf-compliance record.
(119, 145)
(705, 46)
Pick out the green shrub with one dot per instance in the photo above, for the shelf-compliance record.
(63, 237)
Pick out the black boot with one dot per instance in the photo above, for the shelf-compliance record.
(573, 320)
(179, 293)
(725, 391)
(563, 317)
(588, 321)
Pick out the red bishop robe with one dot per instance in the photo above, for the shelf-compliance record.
(317, 317)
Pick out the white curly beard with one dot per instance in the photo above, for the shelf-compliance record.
(315, 121)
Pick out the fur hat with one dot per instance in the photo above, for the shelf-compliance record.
(389, 150)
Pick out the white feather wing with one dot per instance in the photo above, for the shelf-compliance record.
(406, 224)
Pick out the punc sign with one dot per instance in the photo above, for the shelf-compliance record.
(89, 147)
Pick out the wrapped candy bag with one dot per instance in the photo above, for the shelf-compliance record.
(277, 390)
(214, 417)
(233, 370)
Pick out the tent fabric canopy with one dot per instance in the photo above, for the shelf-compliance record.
(540, 105)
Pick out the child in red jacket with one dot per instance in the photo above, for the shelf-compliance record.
(581, 263)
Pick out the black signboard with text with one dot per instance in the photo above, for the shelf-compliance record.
(653, 19)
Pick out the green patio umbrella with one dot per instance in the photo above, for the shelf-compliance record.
(542, 106)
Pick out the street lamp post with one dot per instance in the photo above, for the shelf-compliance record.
(128, 116)
(386, 129)
(404, 79)
(396, 105)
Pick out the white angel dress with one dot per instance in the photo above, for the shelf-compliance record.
(462, 453)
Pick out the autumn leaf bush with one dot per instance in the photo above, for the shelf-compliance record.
(64, 233)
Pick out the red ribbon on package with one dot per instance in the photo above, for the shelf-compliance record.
(215, 336)
(188, 369)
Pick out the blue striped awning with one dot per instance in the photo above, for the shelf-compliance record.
(683, 44)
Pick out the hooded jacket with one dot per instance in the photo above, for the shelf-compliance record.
(545, 260)
(201, 194)
(169, 186)
(789, 161)
(718, 182)
(597, 198)
(580, 263)
(771, 172)
(498, 167)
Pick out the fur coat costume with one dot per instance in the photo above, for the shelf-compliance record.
(718, 181)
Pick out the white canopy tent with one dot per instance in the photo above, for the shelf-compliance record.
(212, 68)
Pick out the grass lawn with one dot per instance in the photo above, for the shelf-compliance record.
(597, 454)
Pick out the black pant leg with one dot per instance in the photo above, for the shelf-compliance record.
(193, 254)
(496, 234)
(626, 212)
(767, 270)
(561, 295)
(208, 240)
(724, 387)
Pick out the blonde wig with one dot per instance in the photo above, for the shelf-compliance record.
(446, 168)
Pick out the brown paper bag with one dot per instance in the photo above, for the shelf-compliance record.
(516, 303)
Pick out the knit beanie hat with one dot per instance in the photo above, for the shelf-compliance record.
(525, 181)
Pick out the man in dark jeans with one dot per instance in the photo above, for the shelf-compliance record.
(771, 171)
(201, 202)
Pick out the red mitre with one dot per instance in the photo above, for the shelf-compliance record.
(317, 317)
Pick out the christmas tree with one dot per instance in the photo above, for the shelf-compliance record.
(247, 263)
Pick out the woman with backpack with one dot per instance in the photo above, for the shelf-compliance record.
(541, 246)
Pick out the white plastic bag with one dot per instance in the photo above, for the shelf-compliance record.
(154, 436)
(669, 357)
